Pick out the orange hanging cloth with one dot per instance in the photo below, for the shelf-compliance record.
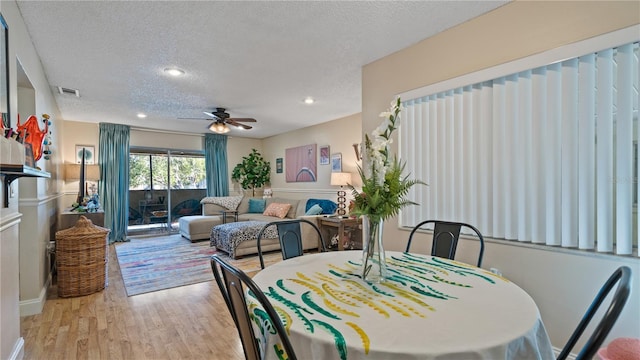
(34, 135)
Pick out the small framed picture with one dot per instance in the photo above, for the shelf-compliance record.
(91, 188)
(279, 166)
(89, 154)
(324, 155)
(336, 162)
(28, 155)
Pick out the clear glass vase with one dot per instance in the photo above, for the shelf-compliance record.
(374, 264)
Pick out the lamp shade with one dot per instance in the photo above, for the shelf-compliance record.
(72, 172)
(219, 127)
(340, 178)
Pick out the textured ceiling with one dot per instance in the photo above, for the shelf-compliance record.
(257, 59)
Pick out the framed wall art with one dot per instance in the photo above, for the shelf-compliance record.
(89, 154)
(336, 162)
(4, 74)
(301, 163)
(279, 166)
(324, 155)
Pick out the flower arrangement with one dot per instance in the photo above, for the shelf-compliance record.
(384, 193)
(384, 188)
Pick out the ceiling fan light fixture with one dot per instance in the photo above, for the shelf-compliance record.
(219, 127)
(174, 71)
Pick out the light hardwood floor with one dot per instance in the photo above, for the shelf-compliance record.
(189, 322)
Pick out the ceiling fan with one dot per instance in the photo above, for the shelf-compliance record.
(222, 118)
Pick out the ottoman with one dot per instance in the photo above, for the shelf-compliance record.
(240, 238)
(197, 227)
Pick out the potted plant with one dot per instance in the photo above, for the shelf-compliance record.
(253, 172)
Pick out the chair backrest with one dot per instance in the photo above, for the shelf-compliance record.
(290, 236)
(445, 238)
(186, 208)
(622, 276)
(232, 283)
(135, 217)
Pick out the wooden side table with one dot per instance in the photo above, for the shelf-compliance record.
(229, 213)
(350, 228)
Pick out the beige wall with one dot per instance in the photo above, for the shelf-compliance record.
(158, 139)
(75, 133)
(339, 134)
(563, 282)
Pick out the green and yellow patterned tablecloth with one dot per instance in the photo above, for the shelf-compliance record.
(430, 308)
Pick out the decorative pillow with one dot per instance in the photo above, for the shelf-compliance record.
(256, 206)
(328, 206)
(314, 210)
(277, 210)
(294, 205)
(229, 202)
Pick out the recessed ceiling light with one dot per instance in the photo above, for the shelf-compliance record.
(309, 100)
(174, 71)
(141, 115)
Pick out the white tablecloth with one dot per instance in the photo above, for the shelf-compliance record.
(431, 308)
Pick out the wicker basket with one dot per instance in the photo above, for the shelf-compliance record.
(81, 259)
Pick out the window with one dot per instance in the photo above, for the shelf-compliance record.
(542, 154)
(148, 171)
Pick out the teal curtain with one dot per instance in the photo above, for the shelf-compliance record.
(114, 179)
(215, 155)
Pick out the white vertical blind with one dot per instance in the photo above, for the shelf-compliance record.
(511, 154)
(525, 167)
(485, 198)
(547, 155)
(604, 150)
(498, 155)
(468, 202)
(432, 179)
(569, 155)
(540, 130)
(624, 148)
(552, 153)
(586, 153)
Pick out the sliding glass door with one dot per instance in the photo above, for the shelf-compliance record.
(165, 184)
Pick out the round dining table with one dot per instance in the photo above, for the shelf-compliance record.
(428, 308)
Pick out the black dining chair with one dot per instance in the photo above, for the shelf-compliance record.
(622, 277)
(445, 238)
(232, 283)
(290, 236)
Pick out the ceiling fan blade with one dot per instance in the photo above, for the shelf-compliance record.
(232, 122)
(183, 118)
(243, 119)
(212, 115)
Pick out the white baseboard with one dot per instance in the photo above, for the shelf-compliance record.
(18, 350)
(35, 306)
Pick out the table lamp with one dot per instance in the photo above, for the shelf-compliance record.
(341, 179)
(83, 173)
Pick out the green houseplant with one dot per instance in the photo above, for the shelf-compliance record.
(253, 172)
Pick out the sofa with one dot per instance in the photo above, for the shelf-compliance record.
(199, 227)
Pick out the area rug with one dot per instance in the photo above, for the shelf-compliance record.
(165, 262)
